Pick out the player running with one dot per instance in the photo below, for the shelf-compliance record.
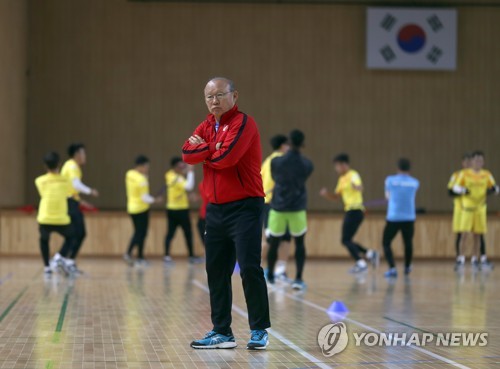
(350, 189)
(72, 170)
(53, 211)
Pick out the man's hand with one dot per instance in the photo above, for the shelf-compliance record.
(94, 193)
(218, 146)
(196, 140)
(327, 195)
(324, 193)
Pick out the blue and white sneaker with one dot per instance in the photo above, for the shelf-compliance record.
(214, 340)
(259, 339)
(391, 273)
(357, 268)
(298, 285)
(408, 270)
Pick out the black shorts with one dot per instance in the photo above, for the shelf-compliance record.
(265, 218)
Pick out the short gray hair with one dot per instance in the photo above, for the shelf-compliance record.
(229, 82)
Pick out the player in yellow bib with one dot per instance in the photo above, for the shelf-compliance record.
(138, 203)
(73, 172)
(53, 216)
(179, 180)
(457, 201)
(474, 183)
(350, 189)
(280, 146)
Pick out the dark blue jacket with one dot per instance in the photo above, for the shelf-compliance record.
(290, 173)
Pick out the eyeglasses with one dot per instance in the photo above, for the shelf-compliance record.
(218, 96)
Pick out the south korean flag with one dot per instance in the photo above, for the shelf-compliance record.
(399, 38)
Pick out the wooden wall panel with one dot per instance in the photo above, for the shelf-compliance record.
(109, 234)
(127, 78)
(13, 83)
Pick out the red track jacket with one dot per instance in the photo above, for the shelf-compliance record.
(231, 173)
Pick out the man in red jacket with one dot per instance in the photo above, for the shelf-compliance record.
(228, 145)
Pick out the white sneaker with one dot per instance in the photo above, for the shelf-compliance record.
(128, 259)
(168, 260)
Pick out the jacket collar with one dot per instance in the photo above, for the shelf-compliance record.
(226, 117)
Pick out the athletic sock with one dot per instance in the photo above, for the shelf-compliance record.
(484, 258)
(369, 254)
(461, 259)
(473, 259)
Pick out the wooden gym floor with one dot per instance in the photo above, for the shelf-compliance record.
(121, 317)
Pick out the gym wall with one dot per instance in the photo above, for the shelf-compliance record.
(128, 77)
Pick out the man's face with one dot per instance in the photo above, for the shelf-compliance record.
(477, 162)
(144, 168)
(219, 98)
(285, 147)
(180, 167)
(339, 168)
(81, 156)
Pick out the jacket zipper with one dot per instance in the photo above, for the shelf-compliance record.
(213, 171)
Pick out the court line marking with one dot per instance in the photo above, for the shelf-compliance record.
(408, 325)
(13, 303)
(319, 363)
(369, 328)
(62, 314)
(16, 299)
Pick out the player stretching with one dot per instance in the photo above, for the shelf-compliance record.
(53, 210)
(350, 189)
(457, 202)
(288, 206)
(475, 184)
(280, 145)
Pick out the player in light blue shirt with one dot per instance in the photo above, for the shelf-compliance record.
(400, 190)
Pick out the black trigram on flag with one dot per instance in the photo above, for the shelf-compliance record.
(387, 53)
(388, 22)
(434, 54)
(435, 23)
